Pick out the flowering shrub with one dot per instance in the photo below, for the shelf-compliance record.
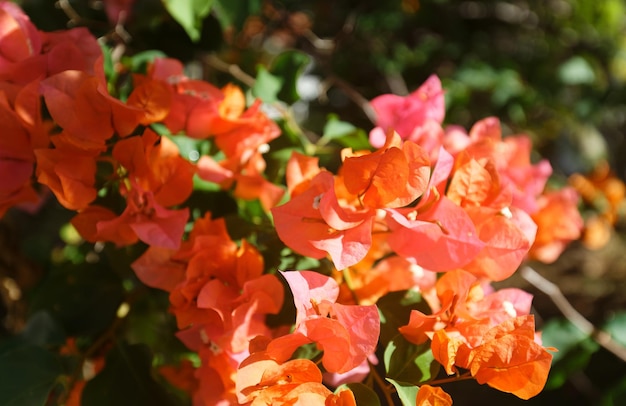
(322, 281)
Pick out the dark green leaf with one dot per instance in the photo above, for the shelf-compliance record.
(289, 66)
(234, 13)
(408, 362)
(574, 350)
(126, 380)
(27, 373)
(407, 392)
(616, 327)
(364, 395)
(344, 133)
(564, 336)
(395, 310)
(189, 14)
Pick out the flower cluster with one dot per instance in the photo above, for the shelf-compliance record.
(433, 209)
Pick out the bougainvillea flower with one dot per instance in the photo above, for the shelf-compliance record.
(432, 396)
(313, 224)
(391, 274)
(193, 102)
(70, 176)
(249, 187)
(439, 239)
(558, 223)
(393, 176)
(155, 164)
(73, 49)
(153, 97)
(460, 302)
(299, 171)
(142, 219)
(511, 157)
(181, 376)
(507, 237)
(86, 223)
(22, 131)
(73, 100)
(242, 313)
(404, 114)
(509, 359)
(346, 334)
(477, 183)
(156, 268)
(19, 38)
(17, 188)
(261, 380)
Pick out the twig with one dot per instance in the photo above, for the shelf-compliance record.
(234, 70)
(75, 18)
(381, 383)
(601, 337)
(354, 95)
(396, 84)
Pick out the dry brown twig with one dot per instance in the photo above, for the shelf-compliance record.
(601, 337)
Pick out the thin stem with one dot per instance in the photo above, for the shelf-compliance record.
(381, 384)
(455, 378)
(354, 95)
(232, 69)
(601, 337)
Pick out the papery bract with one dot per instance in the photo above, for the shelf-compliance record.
(347, 337)
(558, 223)
(19, 38)
(510, 360)
(432, 396)
(312, 223)
(393, 176)
(142, 219)
(404, 114)
(263, 381)
(439, 239)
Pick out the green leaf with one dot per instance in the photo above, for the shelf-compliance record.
(27, 373)
(343, 133)
(140, 61)
(576, 71)
(266, 86)
(407, 362)
(364, 395)
(395, 310)
(234, 13)
(616, 327)
(288, 66)
(109, 69)
(562, 335)
(189, 14)
(407, 392)
(575, 350)
(189, 148)
(126, 380)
